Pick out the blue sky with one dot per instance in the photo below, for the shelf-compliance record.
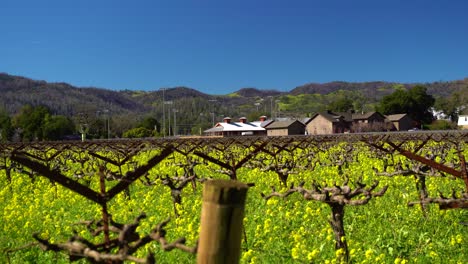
(221, 46)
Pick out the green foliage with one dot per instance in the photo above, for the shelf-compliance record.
(453, 105)
(415, 102)
(447, 107)
(340, 101)
(303, 103)
(6, 128)
(342, 104)
(150, 123)
(255, 116)
(232, 95)
(31, 122)
(396, 103)
(36, 123)
(148, 127)
(442, 125)
(421, 104)
(195, 108)
(290, 230)
(138, 132)
(56, 127)
(197, 130)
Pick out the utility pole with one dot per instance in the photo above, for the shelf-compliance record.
(164, 112)
(212, 110)
(175, 121)
(257, 105)
(278, 106)
(169, 118)
(271, 106)
(107, 111)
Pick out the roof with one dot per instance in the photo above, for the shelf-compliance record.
(306, 120)
(395, 117)
(266, 123)
(330, 116)
(214, 129)
(343, 116)
(282, 124)
(237, 126)
(365, 115)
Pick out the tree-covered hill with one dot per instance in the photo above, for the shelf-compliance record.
(62, 98)
(254, 92)
(192, 110)
(380, 89)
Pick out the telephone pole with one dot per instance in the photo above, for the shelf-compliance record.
(164, 111)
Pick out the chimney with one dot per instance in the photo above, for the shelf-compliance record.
(263, 118)
(243, 120)
(227, 120)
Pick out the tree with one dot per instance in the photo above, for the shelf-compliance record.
(6, 129)
(415, 102)
(150, 123)
(395, 103)
(453, 105)
(360, 102)
(342, 104)
(31, 120)
(119, 124)
(148, 127)
(255, 115)
(442, 125)
(138, 132)
(421, 102)
(56, 127)
(445, 106)
(36, 123)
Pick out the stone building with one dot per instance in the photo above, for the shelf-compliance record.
(285, 128)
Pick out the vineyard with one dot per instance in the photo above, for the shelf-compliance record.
(353, 198)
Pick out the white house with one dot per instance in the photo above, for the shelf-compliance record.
(227, 128)
(463, 121)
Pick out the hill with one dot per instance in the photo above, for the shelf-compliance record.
(379, 89)
(62, 98)
(254, 92)
(192, 109)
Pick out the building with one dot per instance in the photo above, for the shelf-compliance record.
(368, 122)
(368, 118)
(463, 121)
(332, 123)
(227, 128)
(285, 128)
(401, 122)
(327, 123)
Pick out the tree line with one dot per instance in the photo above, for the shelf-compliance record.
(33, 124)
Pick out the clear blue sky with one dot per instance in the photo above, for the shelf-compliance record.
(221, 46)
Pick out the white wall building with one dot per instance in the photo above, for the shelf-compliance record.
(227, 128)
(463, 121)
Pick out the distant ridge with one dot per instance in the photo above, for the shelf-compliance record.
(254, 92)
(63, 98)
(325, 88)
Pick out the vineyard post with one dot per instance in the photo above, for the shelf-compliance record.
(221, 221)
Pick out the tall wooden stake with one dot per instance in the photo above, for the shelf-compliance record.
(221, 221)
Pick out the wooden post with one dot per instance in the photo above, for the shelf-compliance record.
(221, 221)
